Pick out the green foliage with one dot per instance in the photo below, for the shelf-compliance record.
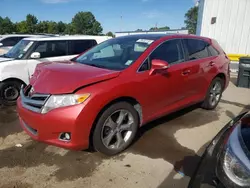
(159, 29)
(31, 22)
(85, 23)
(6, 26)
(52, 27)
(191, 18)
(110, 34)
(82, 23)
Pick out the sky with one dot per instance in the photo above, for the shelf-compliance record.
(114, 15)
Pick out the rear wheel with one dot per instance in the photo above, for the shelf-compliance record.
(116, 128)
(9, 92)
(214, 94)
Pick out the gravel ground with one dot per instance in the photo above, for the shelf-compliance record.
(164, 155)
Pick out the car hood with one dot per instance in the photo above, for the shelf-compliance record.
(3, 59)
(67, 76)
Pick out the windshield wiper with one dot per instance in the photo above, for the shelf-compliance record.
(94, 65)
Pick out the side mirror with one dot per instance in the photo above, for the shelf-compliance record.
(35, 55)
(158, 65)
(1, 44)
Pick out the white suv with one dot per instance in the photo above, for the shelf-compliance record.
(17, 66)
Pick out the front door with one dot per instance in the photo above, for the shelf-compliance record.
(162, 90)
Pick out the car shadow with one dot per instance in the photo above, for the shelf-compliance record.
(157, 140)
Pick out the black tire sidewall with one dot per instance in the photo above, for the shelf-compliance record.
(206, 104)
(5, 85)
(97, 141)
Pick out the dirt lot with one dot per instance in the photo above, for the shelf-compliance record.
(165, 147)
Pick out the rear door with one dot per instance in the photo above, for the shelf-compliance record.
(198, 65)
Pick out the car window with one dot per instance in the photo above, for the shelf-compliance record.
(10, 41)
(213, 51)
(197, 49)
(79, 46)
(170, 51)
(116, 54)
(51, 48)
(145, 66)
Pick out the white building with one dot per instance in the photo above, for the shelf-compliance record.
(124, 33)
(227, 21)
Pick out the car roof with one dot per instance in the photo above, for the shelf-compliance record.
(19, 35)
(73, 37)
(159, 36)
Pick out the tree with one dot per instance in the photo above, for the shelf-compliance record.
(85, 23)
(159, 29)
(61, 27)
(21, 27)
(68, 29)
(42, 27)
(138, 30)
(31, 22)
(52, 27)
(110, 34)
(191, 18)
(6, 26)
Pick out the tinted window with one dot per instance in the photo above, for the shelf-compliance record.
(79, 46)
(11, 41)
(170, 51)
(213, 51)
(145, 66)
(51, 48)
(197, 49)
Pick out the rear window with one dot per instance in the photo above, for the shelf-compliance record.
(197, 49)
(79, 46)
(213, 51)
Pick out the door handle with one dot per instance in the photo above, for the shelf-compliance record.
(186, 72)
(211, 63)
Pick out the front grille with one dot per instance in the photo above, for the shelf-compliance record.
(33, 102)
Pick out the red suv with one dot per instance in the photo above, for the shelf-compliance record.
(104, 95)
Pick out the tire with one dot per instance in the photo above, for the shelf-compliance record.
(9, 92)
(208, 103)
(110, 125)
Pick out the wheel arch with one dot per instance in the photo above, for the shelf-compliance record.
(222, 76)
(15, 79)
(128, 99)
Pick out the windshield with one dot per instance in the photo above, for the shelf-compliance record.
(19, 50)
(115, 54)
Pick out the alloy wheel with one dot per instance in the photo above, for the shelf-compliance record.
(215, 93)
(117, 129)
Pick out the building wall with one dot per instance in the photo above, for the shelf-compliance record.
(232, 27)
(119, 34)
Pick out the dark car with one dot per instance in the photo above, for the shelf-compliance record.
(226, 162)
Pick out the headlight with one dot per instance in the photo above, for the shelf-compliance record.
(235, 161)
(235, 169)
(58, 101)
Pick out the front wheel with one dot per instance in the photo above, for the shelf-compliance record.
(116, 128)
(9, 92)
(214, 94)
